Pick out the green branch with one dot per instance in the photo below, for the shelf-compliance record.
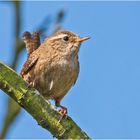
(45, 114)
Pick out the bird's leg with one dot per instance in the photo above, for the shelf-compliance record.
(63, 109)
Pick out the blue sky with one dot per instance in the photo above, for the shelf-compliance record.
(105, 101)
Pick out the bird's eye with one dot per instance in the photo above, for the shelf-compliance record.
(65, 38)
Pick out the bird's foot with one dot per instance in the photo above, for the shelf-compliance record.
(64, 113)
(30, 84)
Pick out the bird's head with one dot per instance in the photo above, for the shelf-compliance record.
(66, 42)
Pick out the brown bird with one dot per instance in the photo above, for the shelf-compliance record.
(53, 67)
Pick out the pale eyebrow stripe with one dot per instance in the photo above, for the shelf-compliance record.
(58, 36)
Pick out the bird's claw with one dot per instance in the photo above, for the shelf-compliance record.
(30, 84)
(63, 111)
(63, 114)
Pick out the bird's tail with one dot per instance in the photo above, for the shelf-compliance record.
(32, 41)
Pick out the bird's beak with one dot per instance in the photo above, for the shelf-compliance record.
(83, 39)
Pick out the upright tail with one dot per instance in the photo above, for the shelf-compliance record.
(32, 41)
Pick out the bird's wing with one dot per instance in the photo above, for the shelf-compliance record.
(31, 61)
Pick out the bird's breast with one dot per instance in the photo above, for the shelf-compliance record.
(58, 78)
(68, 65)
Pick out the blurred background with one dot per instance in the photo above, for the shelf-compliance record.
(105, 101)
